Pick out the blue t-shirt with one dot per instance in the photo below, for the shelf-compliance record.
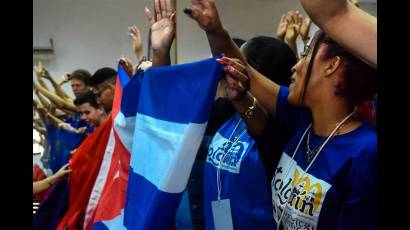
(76, 122)
(64, 142)
(339, 191)
(243, 179)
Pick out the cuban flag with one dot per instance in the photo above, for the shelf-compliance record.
(106, 205)
(85, 164)
(174, 105)
(91, 166)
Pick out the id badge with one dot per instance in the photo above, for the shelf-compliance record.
(221, 211)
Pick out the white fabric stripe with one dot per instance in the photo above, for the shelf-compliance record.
(124, 126)
(164, 152)
(101, 179)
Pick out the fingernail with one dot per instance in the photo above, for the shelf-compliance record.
(231, 69)
(187, 10)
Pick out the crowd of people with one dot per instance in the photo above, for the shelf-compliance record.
(291, 139)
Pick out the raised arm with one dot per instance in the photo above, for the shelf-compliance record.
(135, 35)
(40, 71)
(61, 103)
(57, 88)
(64, 79)
(265, 90)
(43, 102)
(254, 115)
(304, 30)
(282, 27)
(295, 20)
(206, 14)
(343, 22)
(162, 31)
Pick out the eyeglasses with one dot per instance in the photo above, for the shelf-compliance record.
(99, 89)
(306, 50)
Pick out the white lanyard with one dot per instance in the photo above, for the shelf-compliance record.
(308, 167)
(225, 152)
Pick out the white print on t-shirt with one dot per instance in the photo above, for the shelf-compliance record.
(303, 210)
(233, 158)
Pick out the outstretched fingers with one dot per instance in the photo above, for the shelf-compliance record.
(149, 15)
(158, 15)
(168, 8)
(236, 63)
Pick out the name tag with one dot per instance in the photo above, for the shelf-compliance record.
(221, 211)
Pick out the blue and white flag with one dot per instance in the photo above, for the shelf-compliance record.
(174, 105)
(105, 208)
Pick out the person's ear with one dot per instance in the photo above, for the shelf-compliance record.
(332, 65)
(101, 108)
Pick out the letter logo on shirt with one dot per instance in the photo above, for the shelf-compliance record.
(234, 153)
(305, 204)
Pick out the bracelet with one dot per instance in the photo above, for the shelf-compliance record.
(250, 111)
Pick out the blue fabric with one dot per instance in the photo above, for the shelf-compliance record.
(124, 127)
(340, 189)
(161, 83)
(53, 208)
(151, 200)
(183, 219)
(51, 131)
(76, 122)
(131, 92)
(100, 226)
(174, 105)
(65, 141)
(62, 142)
(122, 76)
(243, 179)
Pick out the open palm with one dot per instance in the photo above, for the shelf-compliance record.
(206, 14)
(162, 33)
(282, 27)
(162, 25)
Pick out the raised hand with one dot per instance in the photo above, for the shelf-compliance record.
(41, 71)
(162, 25)
(237, 79)
(135, 35)
(38, 67)
(127, 65)
(282, 27)
(64, 79)
(304, 29)
(204, 12)
(295, 20)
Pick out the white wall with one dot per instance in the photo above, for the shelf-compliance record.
(242, 18)
(92, 34)
(87, 34)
